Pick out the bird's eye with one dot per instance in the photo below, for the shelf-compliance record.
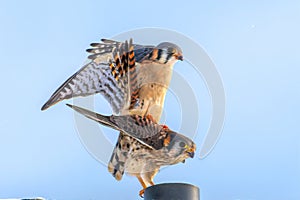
(182, 144)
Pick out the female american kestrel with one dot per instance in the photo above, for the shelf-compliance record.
(149, 145)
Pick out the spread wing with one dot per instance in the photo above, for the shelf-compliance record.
(111, 72)
(140, 128)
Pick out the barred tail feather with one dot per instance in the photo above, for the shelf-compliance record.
(116, 165)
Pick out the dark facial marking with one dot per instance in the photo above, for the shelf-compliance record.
(159, 54)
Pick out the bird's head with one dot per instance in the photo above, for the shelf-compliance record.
(166, 53)
(180, 147)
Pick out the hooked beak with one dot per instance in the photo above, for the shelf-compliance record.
(191, 154)
(180, 58)
(190, 151)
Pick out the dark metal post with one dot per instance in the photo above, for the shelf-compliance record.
(172, 191)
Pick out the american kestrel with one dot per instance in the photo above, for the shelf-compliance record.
(149, 145)
(133, 78)
(129, 76)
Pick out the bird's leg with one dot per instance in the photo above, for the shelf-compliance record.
(152, 183)
(150, 176)
(148, 181)
(151, 118)
(141, 193)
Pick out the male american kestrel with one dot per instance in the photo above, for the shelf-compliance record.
(129, 76)
(133, 78)
(151, 145)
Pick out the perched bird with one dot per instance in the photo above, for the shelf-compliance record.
(151, 145)
(133, 78)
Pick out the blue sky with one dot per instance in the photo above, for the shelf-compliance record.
(254, 45)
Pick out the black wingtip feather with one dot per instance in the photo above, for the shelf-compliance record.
(48, 104)
(45, 107)
(71, 106)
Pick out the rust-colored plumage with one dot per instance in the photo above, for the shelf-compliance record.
(134, 79)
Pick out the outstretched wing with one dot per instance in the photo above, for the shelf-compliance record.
(140, 128)
(110, 78)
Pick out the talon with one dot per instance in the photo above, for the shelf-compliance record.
(141, 193)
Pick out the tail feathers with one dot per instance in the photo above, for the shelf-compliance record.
(116, 165)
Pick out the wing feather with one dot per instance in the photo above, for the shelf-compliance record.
(110, 73)
(140, 128)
